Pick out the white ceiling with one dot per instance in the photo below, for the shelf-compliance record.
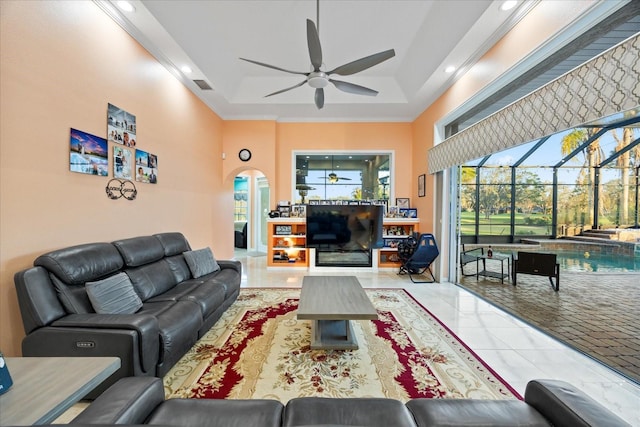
(211, 36)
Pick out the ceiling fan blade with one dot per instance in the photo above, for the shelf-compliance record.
(363, 63)
(353, 88)
(313, 41)
(319, 98)
(274, 67)
(289, 88)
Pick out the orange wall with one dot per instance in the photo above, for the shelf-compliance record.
(257, 136)
(62, 63)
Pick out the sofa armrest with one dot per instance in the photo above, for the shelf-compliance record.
(230, 263)
(566, 406)
(128, 401)
(145, 326)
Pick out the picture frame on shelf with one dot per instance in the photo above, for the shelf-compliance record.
(285, 211)
(422, 181)
(391, 243)
(299, 211)
(409, 212)
(403, 202)
(393, 212)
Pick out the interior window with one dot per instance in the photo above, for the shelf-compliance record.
(344, 176)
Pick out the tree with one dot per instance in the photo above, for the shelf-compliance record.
(468, 188)
(495, 192)
(624, 163)
(530, 191)
(593, 157)
(468, 175)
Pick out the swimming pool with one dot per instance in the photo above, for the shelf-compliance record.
(583, 260)
(575, 256)
(596, 261)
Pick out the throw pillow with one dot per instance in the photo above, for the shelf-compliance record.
(113, 295)
(201, 262)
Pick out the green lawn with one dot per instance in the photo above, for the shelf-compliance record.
(499, 224)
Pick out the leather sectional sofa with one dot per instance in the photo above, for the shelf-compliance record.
(546, 403)
(146, 300)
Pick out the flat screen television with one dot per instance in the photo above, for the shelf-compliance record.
(343, 235)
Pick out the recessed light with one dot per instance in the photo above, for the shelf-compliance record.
(508, 5)
(186, 69)
(126, 6)
(450, 69)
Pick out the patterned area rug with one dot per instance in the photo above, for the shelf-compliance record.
(258, 349)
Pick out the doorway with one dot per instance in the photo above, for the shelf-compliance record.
(261, 212)
(241, 212)
(251, 205)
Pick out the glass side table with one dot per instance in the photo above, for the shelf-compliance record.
(490, 273)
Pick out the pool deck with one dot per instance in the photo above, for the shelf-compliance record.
(595, 313)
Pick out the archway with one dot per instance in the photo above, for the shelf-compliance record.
(251, 195)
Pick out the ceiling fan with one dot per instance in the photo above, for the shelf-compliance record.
(333, 178)
(319, 79)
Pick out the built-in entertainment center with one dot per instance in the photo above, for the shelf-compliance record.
(337, 236)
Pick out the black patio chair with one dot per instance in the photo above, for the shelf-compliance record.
(468, 256)
(416, 255)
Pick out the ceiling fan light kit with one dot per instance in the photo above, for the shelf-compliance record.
(319, 79)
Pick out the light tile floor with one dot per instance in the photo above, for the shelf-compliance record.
(515, 351)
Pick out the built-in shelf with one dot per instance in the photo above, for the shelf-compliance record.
(394, 231)
(287, 241)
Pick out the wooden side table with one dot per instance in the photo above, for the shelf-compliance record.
(45, 387)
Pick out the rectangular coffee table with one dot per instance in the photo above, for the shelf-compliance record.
(330, 302)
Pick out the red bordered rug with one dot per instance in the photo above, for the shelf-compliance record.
(258, 349)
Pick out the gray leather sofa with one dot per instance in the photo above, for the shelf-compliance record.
(546, 403)
(166, 306)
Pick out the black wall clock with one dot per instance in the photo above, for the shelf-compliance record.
(244, 155)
